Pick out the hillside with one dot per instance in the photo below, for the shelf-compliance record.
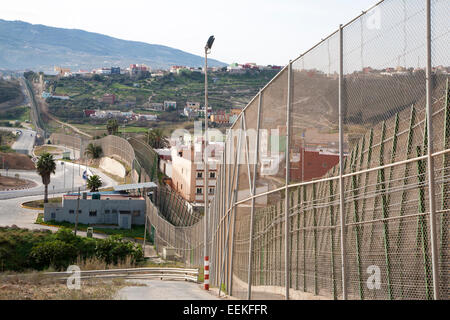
(9, 90)
(38, 47)
(225, 91)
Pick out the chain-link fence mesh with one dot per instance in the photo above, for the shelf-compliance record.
(386, 191)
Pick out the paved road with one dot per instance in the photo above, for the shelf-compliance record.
(68, 177)
(11, 211)
(164, 290)
(25, 142)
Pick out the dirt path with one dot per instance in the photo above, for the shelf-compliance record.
(44, 109)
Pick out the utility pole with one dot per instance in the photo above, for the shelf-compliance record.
(145, 230)
(73, 176)
(64, 172)
(205, 162)
(78, 209)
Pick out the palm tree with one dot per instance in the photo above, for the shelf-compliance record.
(112, 126)
(93, 151)
(46, 166)
(94, 182)
(156, 139)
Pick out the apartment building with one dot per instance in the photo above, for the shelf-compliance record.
(188, 172)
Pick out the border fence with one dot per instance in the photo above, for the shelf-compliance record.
(334, 180)
(352, 144)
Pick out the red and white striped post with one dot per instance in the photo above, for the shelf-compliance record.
(206, 273)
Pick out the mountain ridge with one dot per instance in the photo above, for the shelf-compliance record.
(39, 47)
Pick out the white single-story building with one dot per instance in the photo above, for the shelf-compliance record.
(111, 208)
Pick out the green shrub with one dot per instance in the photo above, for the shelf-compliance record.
(22, 249)
(115, 250)
(56, 253)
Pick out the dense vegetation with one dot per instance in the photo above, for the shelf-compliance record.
(9, 90)
(16, 113)
(22, 249)
(6, 140)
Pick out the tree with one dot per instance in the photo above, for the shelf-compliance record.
(93, 151)
(112, 126)
(94, 183)
(156, 139)
(46, 166)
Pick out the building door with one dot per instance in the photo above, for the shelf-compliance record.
(124, 222)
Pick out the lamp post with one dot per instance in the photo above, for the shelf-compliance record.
(205, 163)
(64, 173)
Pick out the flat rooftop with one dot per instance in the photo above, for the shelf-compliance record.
(104, 196)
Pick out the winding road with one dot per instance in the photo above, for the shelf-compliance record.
(25, 141)
(11, 211)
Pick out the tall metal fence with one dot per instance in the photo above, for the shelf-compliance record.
(187, 241)
(111, 146)
(349, 142)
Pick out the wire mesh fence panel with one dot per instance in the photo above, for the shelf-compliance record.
(272, 145)
(146, 156)
(314, 142)
(440, 37)
(240, 247)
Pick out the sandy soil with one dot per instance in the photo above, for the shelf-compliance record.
(10, 183)
(16, 161)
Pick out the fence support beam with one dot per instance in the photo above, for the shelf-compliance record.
(341, 164)
(286, 195)
(431, 182)
(252, 215)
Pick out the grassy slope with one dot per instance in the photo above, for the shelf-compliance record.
(225, 90)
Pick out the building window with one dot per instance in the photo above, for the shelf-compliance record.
(79, 211)
(212, 175)
(136, 213)
(53, 216)
(107, 211)
(93, 213)
(199, 190)
(211, 190)
(71, 211)
(199, 175)
(114, 211)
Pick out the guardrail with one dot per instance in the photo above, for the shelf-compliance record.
(135, 273)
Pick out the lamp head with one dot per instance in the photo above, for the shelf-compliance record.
(210, 43)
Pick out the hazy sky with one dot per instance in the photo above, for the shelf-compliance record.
(260, 31)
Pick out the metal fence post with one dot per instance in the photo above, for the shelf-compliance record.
(431, 182)
(286, 195)
(230, 212)
(253, 186)
(233, 211)
(341, 164)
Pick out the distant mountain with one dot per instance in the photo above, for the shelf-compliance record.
(40, 48)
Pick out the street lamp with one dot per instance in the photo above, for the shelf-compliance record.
(64, 172)
(205, 162)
